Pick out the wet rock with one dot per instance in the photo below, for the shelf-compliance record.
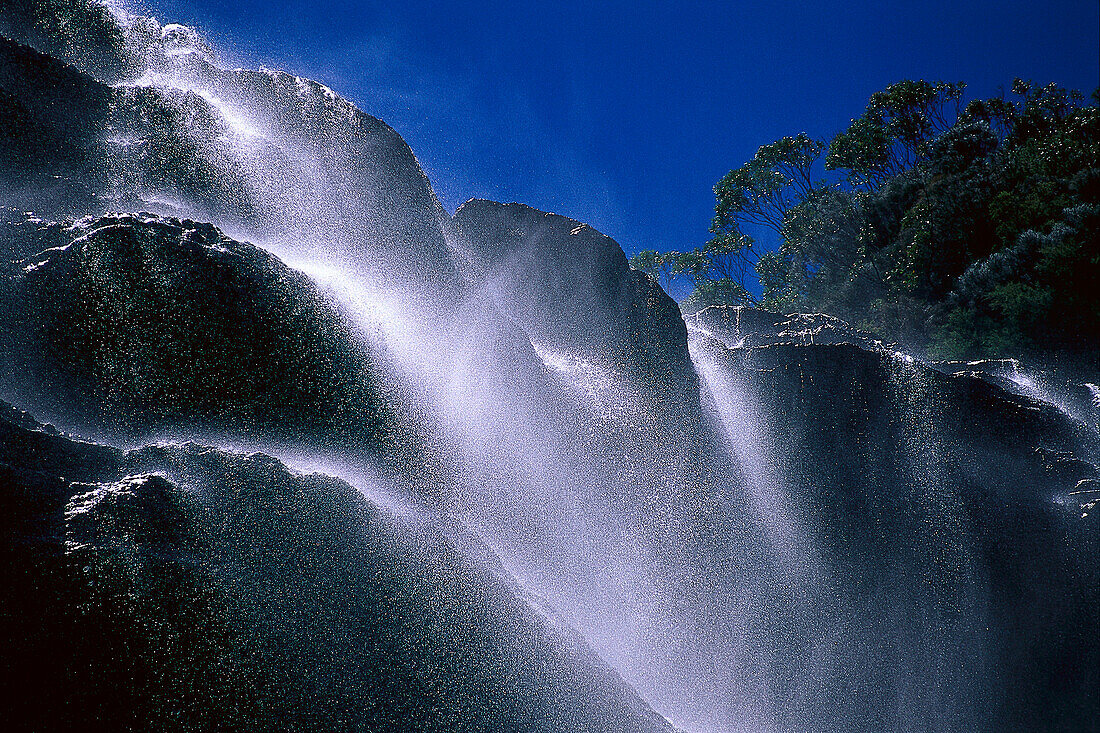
(52, 121)
(945, 493)
(83, 33)
(745, 327)
(177, 586)
(570, 289)
(1079, 400)
(135, 324)
(263, 152)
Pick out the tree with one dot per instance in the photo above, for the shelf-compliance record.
(661, 266)
(1042, 111)
(826, 229)
(763, 189)
(718, 269)
(894, 131)
(646, 261)
(779, 281)
(717, 292)
(761, 192)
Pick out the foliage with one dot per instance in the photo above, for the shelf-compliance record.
(967, 230)
(961, 230)
(1041, 292)
(761, 192)
(780, 289)
(763, 189)
(895, 130)
(716, 292)
(660, 266)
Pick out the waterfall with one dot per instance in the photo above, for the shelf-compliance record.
(769, 523)
(756, 456)
(953, 599)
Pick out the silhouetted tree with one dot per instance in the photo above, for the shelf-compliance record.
(894, 131)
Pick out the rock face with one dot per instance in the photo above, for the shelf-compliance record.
(52, 122)
(569, 287)
(277, 157)
(744, 327)
(180, 587)
(1079, 401)
(610, 337)
(83, 33)
(947, 510)
(138, 324)
(760, 519)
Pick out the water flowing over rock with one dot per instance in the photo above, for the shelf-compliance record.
(272, 155)
(568, 287)
(562, 506)
(181, 587)
(138, 324)
(943, 502)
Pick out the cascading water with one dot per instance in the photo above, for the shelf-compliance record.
(1094, 394)
(746, 438)
(952, 603)
(782, 545)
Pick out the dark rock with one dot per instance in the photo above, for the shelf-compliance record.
(941, 503)
(74, 146)
(182, 587)
(745, 327)
(52, 122)
(276, 156)
(615, 342)
(83, 33)
(137, 324)
(1079, 401)
(570, 288)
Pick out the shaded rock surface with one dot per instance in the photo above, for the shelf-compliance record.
(52, 122)
(955, 548)
(744, 327)
(134, 325)
(272, 155)
(769, 520)
(1079, 400)
(569, 287)
(180, 587)
(608, 335)
(83, 33)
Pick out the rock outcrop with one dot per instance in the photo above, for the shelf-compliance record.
(569, 288)
(181, 587)
(274, 156)
(745, 327)
(949, 508)
(84, 33)
(53, 120)
(759, 519)
(134, 325)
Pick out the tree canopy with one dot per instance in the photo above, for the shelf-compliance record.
(963, 229)
(895, 130)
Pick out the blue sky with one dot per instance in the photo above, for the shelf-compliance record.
(624, 114)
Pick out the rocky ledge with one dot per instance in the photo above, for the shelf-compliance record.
(181, 587)
(136, 324)
(569, 288)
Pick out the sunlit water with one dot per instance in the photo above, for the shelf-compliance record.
(583, 520)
